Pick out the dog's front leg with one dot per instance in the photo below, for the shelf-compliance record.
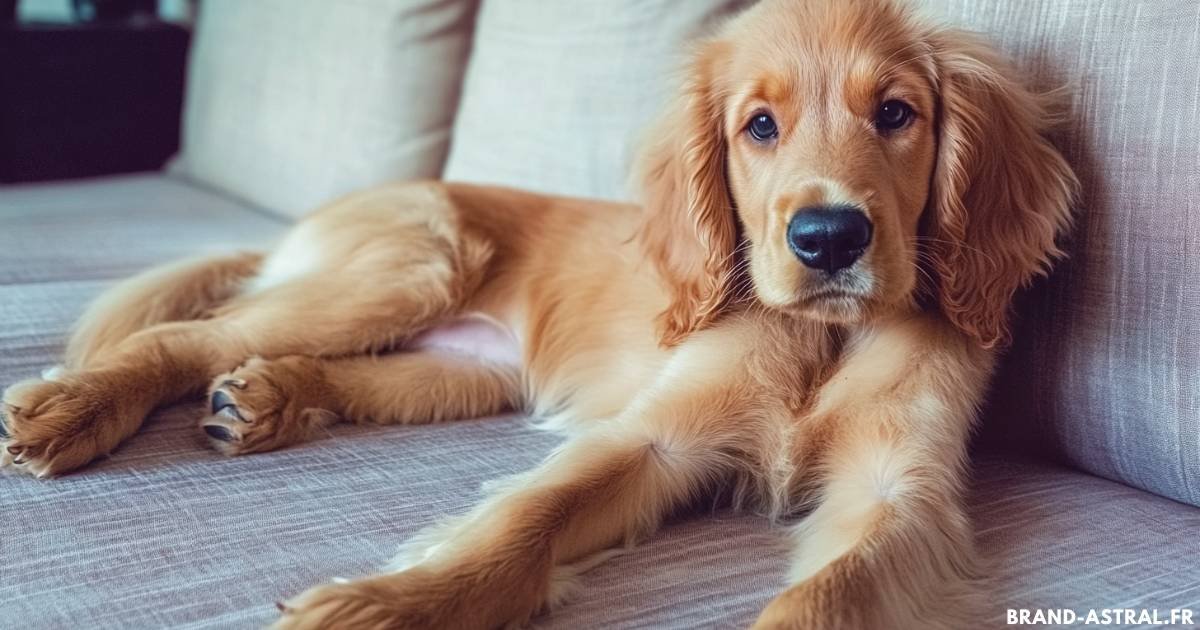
(889, 545)
(518, 552)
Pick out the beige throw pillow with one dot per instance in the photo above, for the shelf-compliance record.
(558, 94)
(293, 102)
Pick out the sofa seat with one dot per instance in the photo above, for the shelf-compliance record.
(168, 533)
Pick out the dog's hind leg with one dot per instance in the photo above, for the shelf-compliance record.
(391, 263)
(185, 290)
(267, 404)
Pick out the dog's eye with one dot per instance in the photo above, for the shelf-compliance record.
(893, 115)
(762, 128)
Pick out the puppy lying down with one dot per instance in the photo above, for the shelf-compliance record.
(836, 212)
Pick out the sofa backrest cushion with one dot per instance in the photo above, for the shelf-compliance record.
(1105, 370)
(557, 94)
(293, 102)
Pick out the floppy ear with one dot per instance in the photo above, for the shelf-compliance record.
(1001, 192)
(688, 230)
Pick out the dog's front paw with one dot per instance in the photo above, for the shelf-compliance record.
(264, 405)
(815, 604)
(372, 603)
(52, 427)
(459, 597)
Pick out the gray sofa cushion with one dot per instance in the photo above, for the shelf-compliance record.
(167, 533)
(91, 230)
(1105, 372)
(1062, 539)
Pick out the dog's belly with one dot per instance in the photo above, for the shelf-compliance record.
(473, 335)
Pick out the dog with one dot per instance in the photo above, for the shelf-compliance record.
(803, 312)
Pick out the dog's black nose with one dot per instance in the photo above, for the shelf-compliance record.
(829, 237)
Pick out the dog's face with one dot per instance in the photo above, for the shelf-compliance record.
(830, 155)
(839, 160)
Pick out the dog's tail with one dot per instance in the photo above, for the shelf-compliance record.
(186, 290)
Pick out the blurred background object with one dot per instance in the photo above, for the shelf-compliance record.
(44, 11)
(100, 86)
(103, 10)
(67, 11)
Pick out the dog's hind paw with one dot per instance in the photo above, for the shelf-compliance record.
(266, 404)
(53, 427)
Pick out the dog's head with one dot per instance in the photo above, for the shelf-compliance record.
(844, 160)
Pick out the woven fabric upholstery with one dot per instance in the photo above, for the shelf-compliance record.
(1105, 373)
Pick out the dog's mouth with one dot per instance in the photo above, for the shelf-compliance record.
(834, 305)
(823, 296)
(833, 302)
(846, 286)
(842, 297)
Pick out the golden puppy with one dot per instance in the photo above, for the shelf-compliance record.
(837, 212)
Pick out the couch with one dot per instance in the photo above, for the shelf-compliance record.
(1085, 474)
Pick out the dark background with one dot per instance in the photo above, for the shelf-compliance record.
(97, 91)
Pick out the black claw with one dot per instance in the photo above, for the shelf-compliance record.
(219, 432)
(222, 402)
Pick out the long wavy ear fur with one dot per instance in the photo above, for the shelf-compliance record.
(689, 230)
(1001, 192)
